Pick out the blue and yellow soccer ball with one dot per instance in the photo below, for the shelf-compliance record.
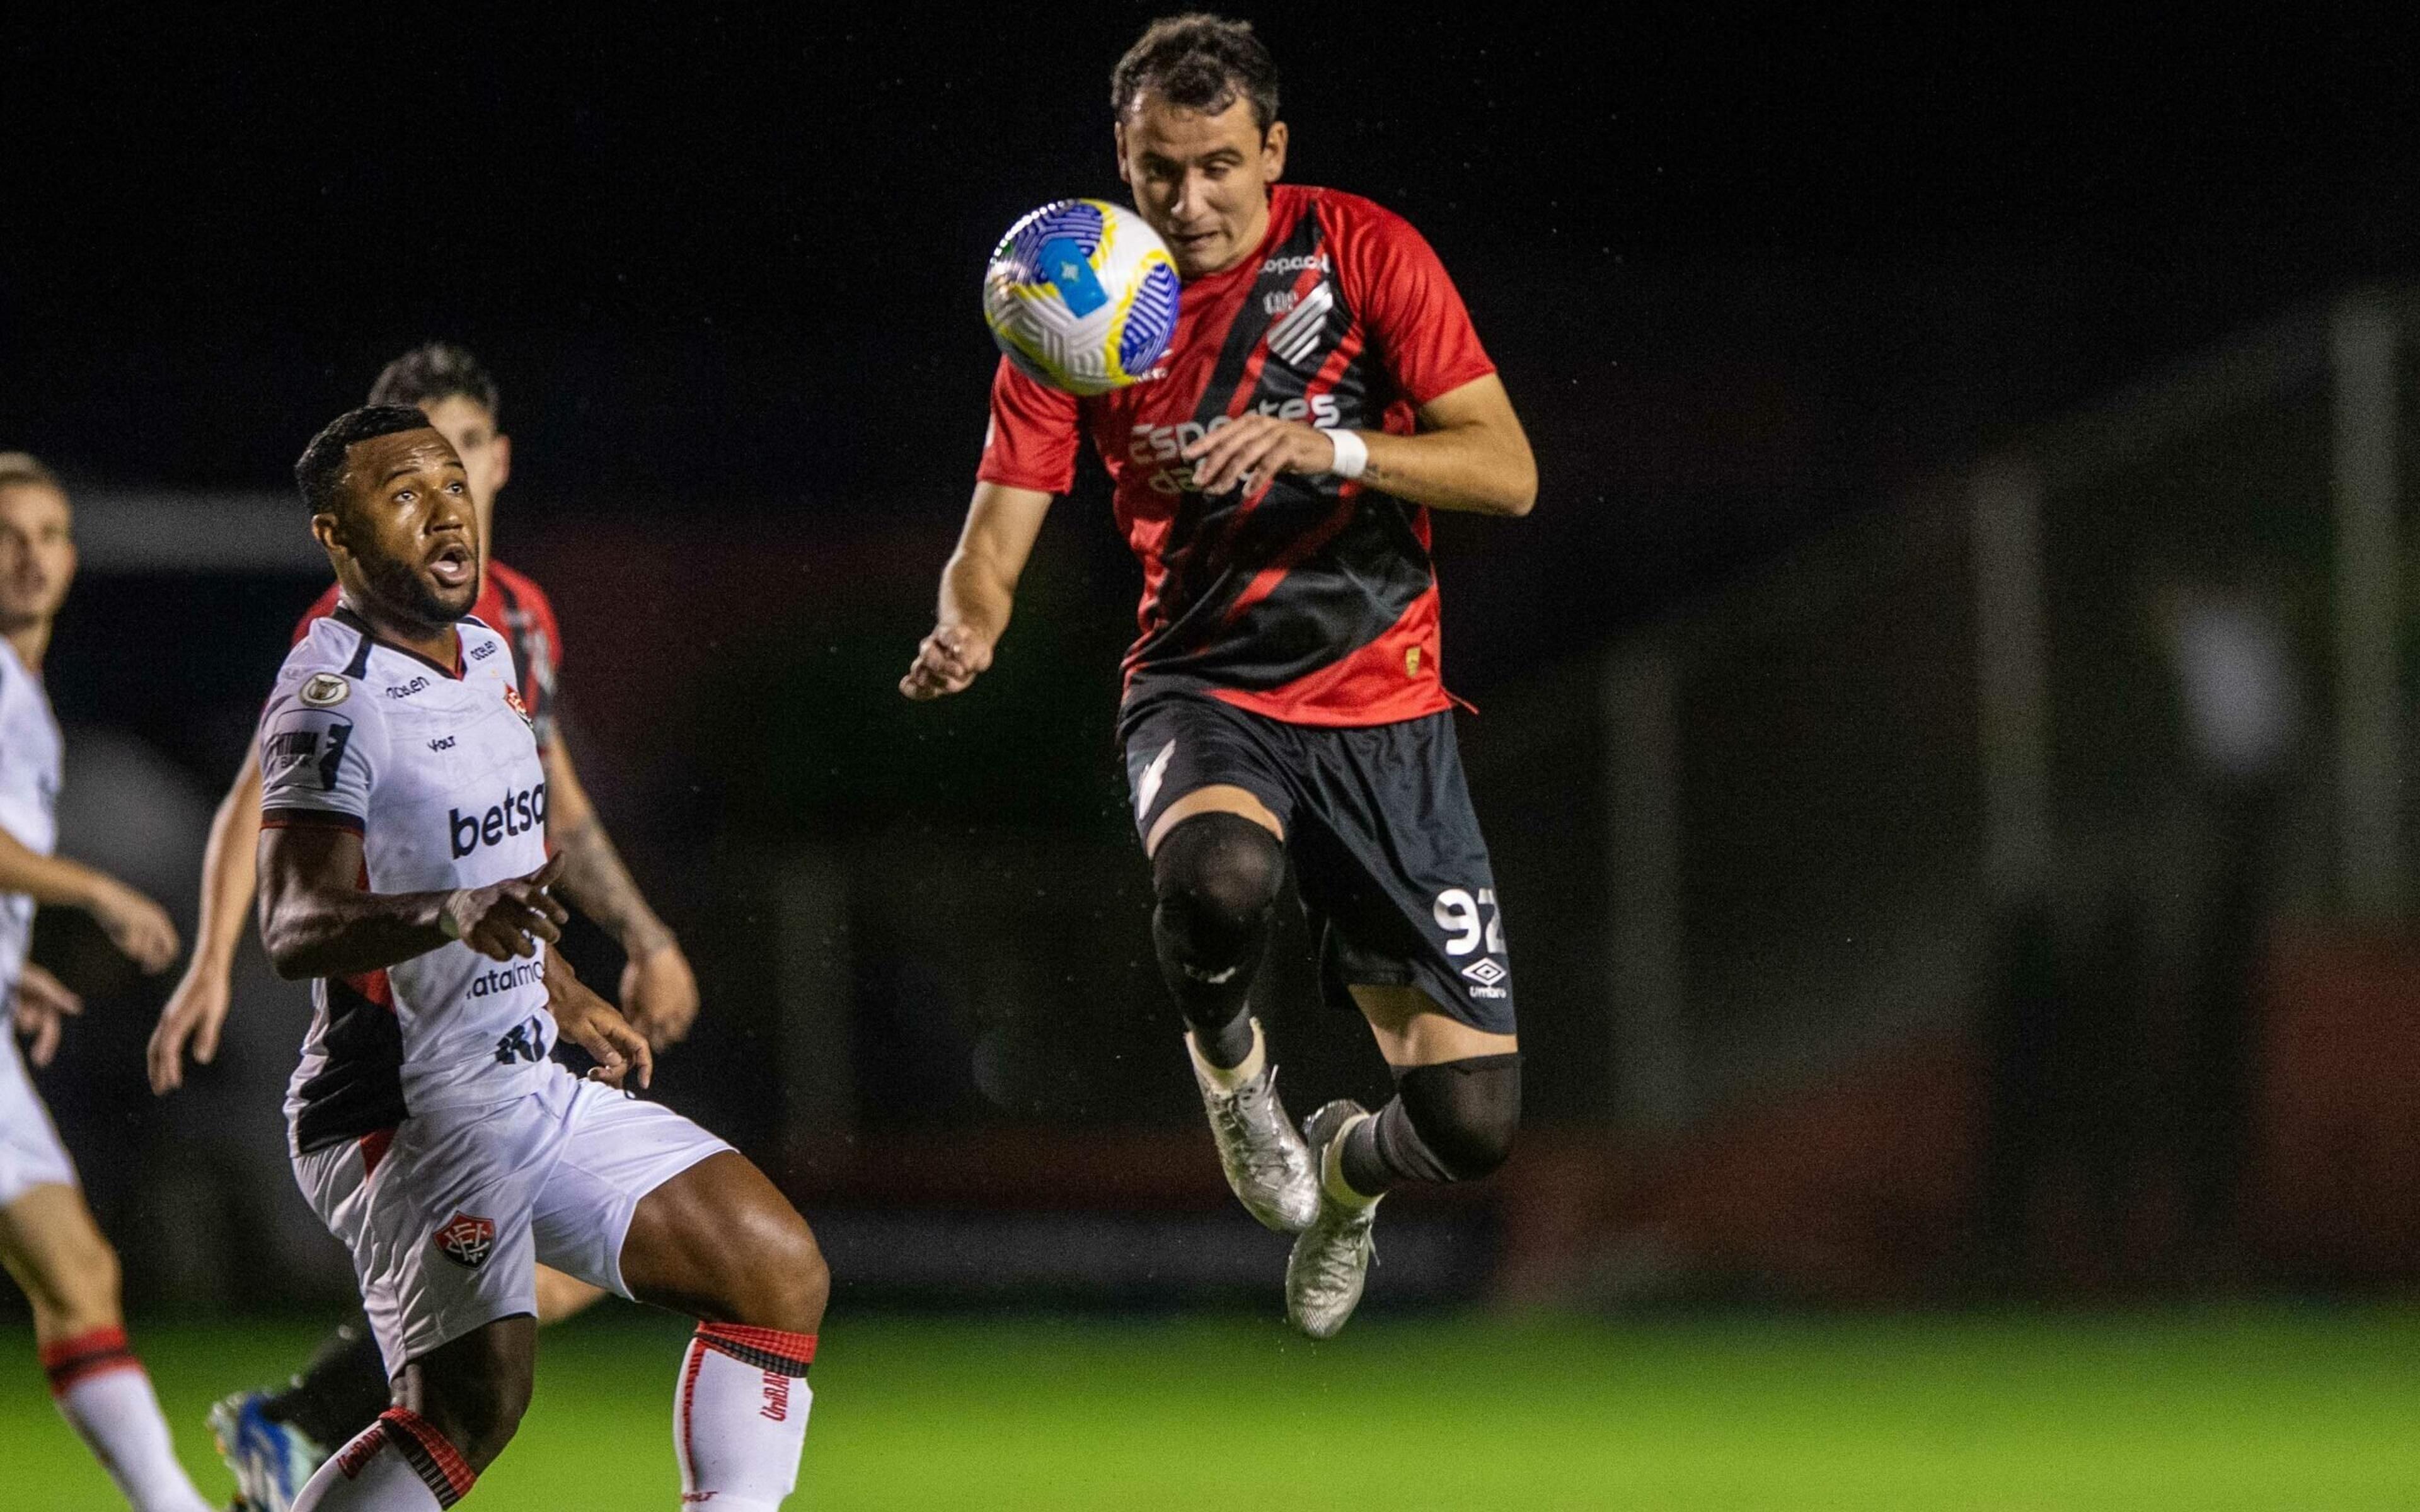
(1082, 295)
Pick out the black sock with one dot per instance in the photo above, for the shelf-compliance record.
(1227, 1045)
(341, 1392)
(1216, 876)
(1449, 1122)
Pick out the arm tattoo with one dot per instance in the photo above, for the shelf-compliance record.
(600, 886)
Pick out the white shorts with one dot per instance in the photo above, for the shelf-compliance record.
(446, 1219)
(30, 1152)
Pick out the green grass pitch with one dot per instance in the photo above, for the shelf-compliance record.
(2251, 1407)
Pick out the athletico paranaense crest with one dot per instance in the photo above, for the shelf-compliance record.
(467, 1241)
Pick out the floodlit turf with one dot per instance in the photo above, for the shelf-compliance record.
(2273, 1406)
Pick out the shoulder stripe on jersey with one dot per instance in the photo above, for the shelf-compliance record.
(1228, 379)
(359, 665)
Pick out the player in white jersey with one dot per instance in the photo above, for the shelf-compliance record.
(48, 1238)
(403, 866)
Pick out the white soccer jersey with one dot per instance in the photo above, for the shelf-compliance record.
(29, 797)
(437, 769)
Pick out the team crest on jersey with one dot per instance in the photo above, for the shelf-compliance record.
(513, 702)
(1412, 661)
(325, 690)
(467, 1241)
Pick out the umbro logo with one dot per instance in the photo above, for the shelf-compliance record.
(1487, 977)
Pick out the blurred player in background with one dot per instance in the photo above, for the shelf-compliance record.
(404, 867)
(48, 1238)
(274, 1441)
(1324, 391)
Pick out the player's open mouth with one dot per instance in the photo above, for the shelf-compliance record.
(451, 566)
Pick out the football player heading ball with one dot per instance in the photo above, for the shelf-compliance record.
(1322, 392)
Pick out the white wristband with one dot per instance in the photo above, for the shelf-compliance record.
(1352, 452)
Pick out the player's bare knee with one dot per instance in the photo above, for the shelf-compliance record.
(787, 1283)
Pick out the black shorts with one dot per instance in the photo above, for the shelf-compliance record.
(1387, 852)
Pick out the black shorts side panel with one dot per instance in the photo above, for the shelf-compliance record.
(1387, 853)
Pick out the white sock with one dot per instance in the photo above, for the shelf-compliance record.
(104, 1394)
(739, 1422)
(398, 1465)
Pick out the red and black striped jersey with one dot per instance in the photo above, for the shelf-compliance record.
(1311, 600)
(515, 605)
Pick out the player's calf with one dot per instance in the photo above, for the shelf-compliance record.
(1453, 1121)
(720, 1242)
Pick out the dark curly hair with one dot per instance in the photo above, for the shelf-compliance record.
(1200, 62)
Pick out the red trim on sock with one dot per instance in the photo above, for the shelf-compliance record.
(72, 1361)
(769, 1349)
(92, 1341)
(448, 1461)
(690, 1368)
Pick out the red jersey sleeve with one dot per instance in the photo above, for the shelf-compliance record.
(1033, 437)
(321, 611)
(540, 609)
(1415, 316)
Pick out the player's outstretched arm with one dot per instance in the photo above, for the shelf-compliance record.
(317, 921)
(196, 1010)
(978, 590)
(659, 989)
(1470, 454)
(134, 922)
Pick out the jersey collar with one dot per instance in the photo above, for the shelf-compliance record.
(344, 614)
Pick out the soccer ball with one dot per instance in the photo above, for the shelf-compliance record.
(1082, 295)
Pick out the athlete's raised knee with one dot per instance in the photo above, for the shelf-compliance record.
(1217, 873)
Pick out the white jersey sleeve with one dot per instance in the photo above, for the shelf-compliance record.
(322, 745)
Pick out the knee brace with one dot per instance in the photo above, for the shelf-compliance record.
(1453, 1121)
(1217, 877)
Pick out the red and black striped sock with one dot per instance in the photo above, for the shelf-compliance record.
(79, 1358)
(399, 1463)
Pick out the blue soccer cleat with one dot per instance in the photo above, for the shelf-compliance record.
(271, 1460)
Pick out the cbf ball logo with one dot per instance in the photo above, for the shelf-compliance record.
(1082, 296)
(467, 1241)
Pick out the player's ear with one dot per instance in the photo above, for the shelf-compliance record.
(329, 531)
(1118, 135)
(1273, 152)
(502, 448)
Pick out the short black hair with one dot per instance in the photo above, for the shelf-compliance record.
(1200, 62)
(320, 473)
(433, 373)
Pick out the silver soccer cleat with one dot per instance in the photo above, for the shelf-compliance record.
(1331, 1259)
(1268, 1166)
